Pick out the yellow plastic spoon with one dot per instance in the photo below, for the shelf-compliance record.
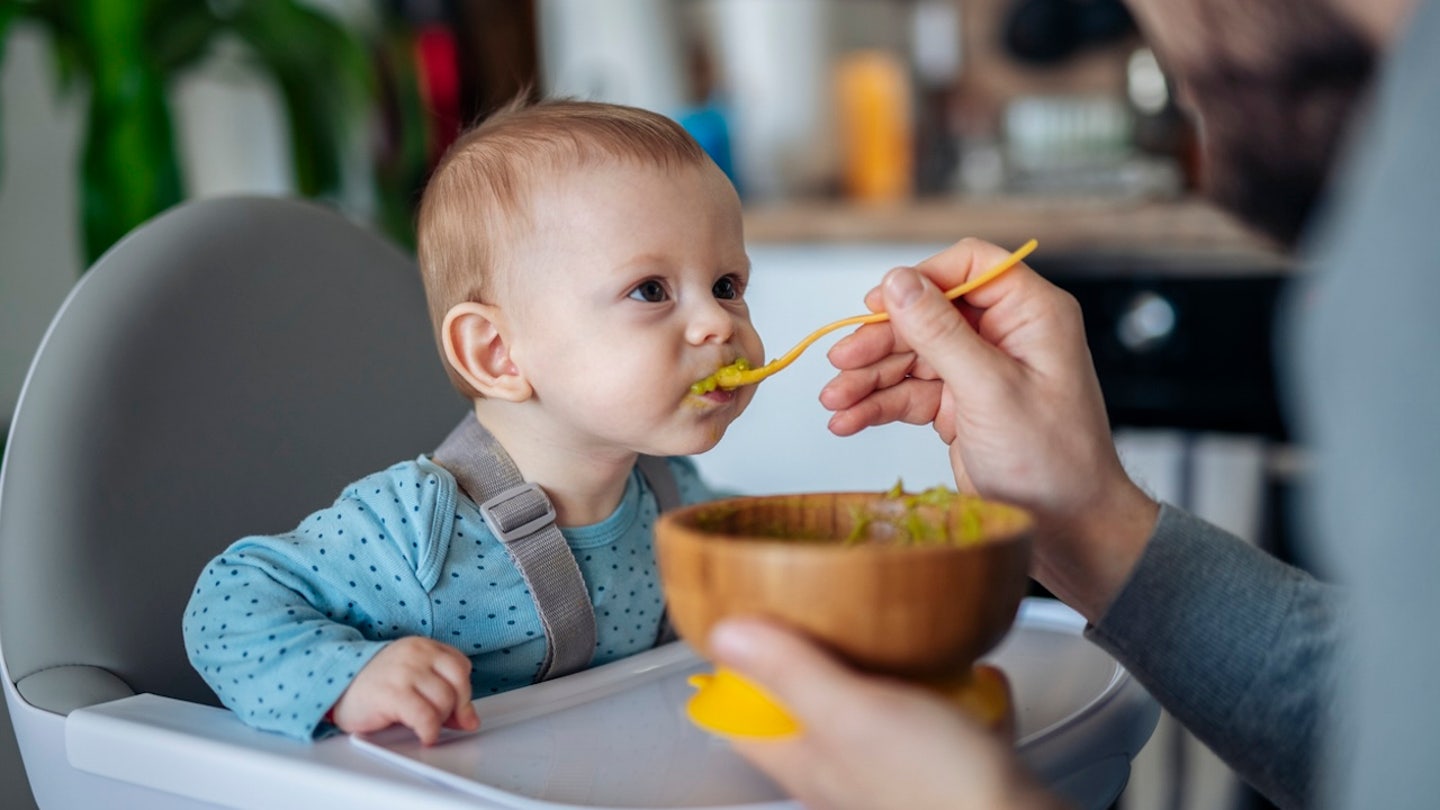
(739, 373)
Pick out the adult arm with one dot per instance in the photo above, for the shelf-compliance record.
(1233, 642)
(1237, 645)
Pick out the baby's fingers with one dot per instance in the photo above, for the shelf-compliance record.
(449, 705)
(418, 712)
(455, 671)
(464, 718)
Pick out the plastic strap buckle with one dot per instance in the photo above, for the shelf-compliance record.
(518, 512)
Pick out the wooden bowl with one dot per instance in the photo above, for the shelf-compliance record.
(844, 569)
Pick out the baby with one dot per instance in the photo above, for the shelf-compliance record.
(584, 265)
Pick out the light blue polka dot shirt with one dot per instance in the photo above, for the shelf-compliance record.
(279, 625)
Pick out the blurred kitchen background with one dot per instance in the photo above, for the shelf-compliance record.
(861, 133)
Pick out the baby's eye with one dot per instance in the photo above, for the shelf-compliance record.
(727, 288)
(650, 291)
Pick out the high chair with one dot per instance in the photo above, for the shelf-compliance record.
(225, 370)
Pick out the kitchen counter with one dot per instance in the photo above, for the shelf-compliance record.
(1069, 224)
(1179, 300)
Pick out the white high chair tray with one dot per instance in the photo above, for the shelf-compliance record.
(617, 737)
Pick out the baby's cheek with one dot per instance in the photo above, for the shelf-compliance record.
(754, 345)
(628, 388)
(746, 394)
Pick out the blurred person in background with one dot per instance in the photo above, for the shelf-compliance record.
(1315, 694)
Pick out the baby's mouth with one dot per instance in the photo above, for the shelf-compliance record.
(725, 379)
(719, 396)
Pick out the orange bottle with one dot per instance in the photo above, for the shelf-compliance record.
(875, 117)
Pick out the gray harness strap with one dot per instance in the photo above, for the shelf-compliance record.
(667, 496)
(523, 519)
(662, 482)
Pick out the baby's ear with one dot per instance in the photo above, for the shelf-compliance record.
(475, 348)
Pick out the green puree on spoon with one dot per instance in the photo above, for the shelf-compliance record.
(739, 372)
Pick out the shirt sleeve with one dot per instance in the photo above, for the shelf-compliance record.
(279, 626)
(1234, 643)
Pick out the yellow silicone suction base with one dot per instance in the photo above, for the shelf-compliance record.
(727, 704)
(983, 692)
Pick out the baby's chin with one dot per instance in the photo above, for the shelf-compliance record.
(700, 440)
(694, 447)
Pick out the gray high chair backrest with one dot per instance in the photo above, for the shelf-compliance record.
(225, 370)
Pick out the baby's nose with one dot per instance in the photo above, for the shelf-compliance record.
(711, 323)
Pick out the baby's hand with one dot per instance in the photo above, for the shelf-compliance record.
(416, 682)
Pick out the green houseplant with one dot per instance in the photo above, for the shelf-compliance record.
(127, 52)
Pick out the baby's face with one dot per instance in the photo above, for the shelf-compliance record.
(629, 288)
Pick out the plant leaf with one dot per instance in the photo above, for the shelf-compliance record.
(61, 20)
(129, 169)
(402, 161)
(323, 77)
(8, 12)
(179, 33)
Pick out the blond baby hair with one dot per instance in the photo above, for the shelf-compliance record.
(478, 195)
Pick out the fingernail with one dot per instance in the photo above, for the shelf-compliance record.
(822, 397)
(731, 642)
(903, 287)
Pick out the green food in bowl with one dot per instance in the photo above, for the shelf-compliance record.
(938, 516)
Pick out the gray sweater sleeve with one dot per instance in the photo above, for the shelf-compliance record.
(1369, 397)
(1234, 643)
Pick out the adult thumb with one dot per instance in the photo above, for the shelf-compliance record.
(933, 328)
(794, 671)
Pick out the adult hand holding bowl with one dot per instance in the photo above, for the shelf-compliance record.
(912, 586)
